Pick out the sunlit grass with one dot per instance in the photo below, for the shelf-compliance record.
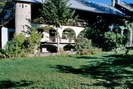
(102, 71)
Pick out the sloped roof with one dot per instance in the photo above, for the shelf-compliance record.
(95, 7)
(87, 6)
(127, 6)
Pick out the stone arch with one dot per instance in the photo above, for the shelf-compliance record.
(68, 34)
(80, 34)
(49, 33)
(77, 30)
(53, 35)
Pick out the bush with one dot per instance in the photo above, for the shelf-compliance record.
(83, 45)
(34, 40)
(113, 41)
(85, 52)
(105, 40)
(21, 46)
(15, 47)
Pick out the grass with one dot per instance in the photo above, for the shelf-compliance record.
(103, 71)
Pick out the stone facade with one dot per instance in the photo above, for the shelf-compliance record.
(23, 17)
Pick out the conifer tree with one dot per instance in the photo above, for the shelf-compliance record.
(57, 13)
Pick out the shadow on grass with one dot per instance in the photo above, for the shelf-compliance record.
(6, 84)
(87, 57)
(120, 56)
(123, 60)
(116, 71)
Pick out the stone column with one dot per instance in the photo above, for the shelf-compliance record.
(4, 37)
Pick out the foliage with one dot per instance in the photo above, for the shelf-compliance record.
(83, 45)
(95, 35)
(114, 40)
(20, 39)
(21, 46)
(15, 47)
(105, 40)
(103, 22)
(129, 25)
(45, 29)
(34, 40)
(9, 7)
(56, 12)
(69, 34)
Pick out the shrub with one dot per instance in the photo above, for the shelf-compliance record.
(113, 41)
(83, 45)
(21, 46)
(105, 40)
(15, 47)
(3, 53)
(85, 52)
(34, 40)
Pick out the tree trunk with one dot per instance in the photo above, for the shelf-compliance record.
(131, 38)
(58, 41)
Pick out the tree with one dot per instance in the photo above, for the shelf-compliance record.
(57, 13)
(7, 12)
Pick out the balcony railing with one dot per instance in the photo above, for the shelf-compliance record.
(55, 40)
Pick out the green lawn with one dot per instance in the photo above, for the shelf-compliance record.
(67, 72)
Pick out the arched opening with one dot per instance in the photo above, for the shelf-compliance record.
(50, 48)
(68, 47)
(52, 35)
(49, 33)
(69, 35)
(81, 34)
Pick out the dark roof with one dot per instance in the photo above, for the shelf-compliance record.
(95, 7)
(86, 6)
(127, 6)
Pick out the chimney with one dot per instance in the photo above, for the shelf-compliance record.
(114, 2)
